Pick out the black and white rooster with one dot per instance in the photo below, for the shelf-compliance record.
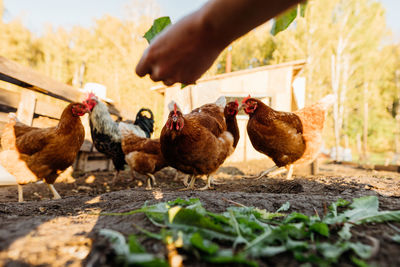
(106, 135)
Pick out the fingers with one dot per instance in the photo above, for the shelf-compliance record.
(143, 67)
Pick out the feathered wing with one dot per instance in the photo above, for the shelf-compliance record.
(211, 116)
(26, 139)
(143, 155)
(131, 142)
(132, 129)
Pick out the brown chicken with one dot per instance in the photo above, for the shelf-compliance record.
(230, 112)
(32, 154)
(197, 143)
(288, 138)
(143, 155)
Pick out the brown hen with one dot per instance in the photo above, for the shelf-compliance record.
(288, 138)
(143, 155)
(197, 143)
(32, 154)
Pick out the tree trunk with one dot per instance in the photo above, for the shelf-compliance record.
(365, 123)
(335, 88)
(397, 112)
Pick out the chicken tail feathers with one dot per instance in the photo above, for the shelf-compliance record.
(144, 122)
(221, 102)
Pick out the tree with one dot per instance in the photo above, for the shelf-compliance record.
(342, 43)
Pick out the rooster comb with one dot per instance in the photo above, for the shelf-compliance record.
(245, 99)
(175, 108)
(91, 95)
(236, 102)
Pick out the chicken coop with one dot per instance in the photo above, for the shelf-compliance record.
(39, 101)
(280, 86)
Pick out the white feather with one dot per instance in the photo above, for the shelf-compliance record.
(129, 128)
(12, 117)
(171, 106)
(221, 101)
(102, 122)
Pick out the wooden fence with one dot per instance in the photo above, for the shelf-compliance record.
(34, 96)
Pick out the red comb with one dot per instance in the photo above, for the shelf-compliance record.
(175, 108)
(236, 102)
(245, 99)
(90, 95)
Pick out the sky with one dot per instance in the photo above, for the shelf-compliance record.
(35, 14)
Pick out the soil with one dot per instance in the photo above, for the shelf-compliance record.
(64, 232)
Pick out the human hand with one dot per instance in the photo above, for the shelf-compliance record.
(181, 53)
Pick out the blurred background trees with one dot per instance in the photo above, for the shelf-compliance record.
(346, 44)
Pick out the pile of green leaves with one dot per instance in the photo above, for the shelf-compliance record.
(241, 235)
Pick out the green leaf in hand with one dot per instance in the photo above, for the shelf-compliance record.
(283, 21)
(158, 25)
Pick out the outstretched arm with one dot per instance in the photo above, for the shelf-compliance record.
(185, 50)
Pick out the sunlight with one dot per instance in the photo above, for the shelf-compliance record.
(73, 242)
(157, 194)
(94, 200)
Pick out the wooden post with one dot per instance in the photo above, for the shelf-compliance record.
(26, 107)
(315, 167)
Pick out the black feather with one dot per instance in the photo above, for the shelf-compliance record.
(144, 122)
(113, 150)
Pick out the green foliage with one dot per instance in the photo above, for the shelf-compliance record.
(353, 33)
(240, 235)
(131, 253)
(105, 53)
(283, 21)
(396, 238)
(158, 25)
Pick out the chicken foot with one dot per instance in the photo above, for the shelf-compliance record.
(189, 186)
(208, 184)
(116, 177)
(261, 175)
(288, 168)
(186, 179)
(150, 180)
(54, 191)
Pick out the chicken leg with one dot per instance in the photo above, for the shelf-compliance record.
(189, 186)
(150, 180)
(20, 194)
(266, 172)
(116, 177)
(290, 172)
(208, 184)
(54, 191)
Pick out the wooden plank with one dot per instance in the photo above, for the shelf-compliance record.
(3, 117)
(389, 168)
(43, 107)
(9, 98)
(47, 109)
(20, 75)
(26, 108)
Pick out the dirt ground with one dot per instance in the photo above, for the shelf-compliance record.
(44, 232)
